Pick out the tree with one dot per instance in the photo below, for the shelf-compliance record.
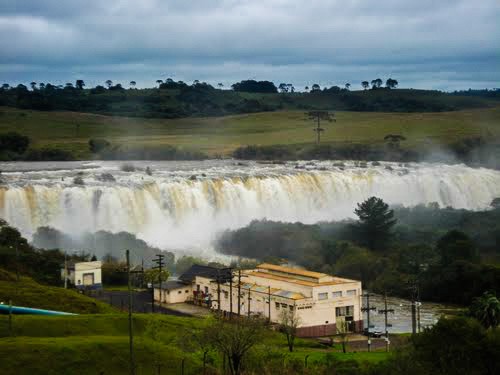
(375, 222)
(495, 203)
(343, 334)
(319, 116)
(393, 140)
(391, 83)
(153, 276)
(220, 85)
(41, 86)
(68, 85)
(306, 88)
(283, 88)
(289, 322)
(234, 339)
(159, 82)
(79, 84)
(456, 245)
(376, 83)
(97, 145)
(315, 87)
(5, 86)
(486, 309)
(109, 83)
(255, 86)
(93, 259)
(347, 86)
(290, 87)
(132, 84)
(33, 86)
(365, 84)
(14, 142)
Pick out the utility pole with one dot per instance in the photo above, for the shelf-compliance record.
(239, 293)
(231, 294)
(159, 266)
(130, 328)
(249, 289)
(368, 309)
(218, 291)
(386, 311)
(414, 289)
(269, 298)
(65, 270)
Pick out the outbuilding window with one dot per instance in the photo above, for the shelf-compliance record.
(337, 294)
(351, 292)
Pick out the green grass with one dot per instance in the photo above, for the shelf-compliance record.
(28, 293)
(88, 344)
(221, 135)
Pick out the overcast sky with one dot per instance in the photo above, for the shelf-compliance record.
(440, 44)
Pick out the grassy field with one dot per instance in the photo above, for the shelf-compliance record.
(94, 344)
(29, 293)
(218, 136)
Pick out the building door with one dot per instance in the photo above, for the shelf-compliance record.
(88, 279)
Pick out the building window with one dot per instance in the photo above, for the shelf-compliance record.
(197, 287)
(284, 305)
(186, 291)
(351, 292)
(179, 292)
(322, 296)
(337, 294)
(206, 290)
(226, 294)
(277, 305)
(290, 307)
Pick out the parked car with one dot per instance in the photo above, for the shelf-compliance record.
(373, 333)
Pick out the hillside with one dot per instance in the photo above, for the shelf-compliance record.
(94, 344)
(28, 293)
(219, 136)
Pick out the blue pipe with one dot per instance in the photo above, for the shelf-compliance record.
(5, 309)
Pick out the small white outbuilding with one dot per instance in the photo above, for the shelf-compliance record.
(84, 275)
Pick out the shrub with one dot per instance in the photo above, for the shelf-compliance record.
(97, 145)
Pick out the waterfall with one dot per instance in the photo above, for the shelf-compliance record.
(171, 210)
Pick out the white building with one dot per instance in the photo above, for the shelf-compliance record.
(84, 275)
(320, 302)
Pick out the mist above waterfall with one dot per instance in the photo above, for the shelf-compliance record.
(183, 205)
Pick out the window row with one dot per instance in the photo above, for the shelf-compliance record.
(349, 293)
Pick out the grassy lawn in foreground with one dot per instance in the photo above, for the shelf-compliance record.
(221, 135)
(88, 344)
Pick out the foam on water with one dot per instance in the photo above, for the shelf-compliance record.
(185, 204)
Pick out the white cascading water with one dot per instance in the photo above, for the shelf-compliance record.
(174, 210)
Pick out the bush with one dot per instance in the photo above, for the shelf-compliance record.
(14, 142)
(97, 145)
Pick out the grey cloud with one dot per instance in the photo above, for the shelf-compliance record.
(455, 40)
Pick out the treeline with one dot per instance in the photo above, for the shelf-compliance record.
(16, 147)
(177, 99)
(453, 254)
(473, 151)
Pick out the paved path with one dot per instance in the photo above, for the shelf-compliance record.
(141, 302)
